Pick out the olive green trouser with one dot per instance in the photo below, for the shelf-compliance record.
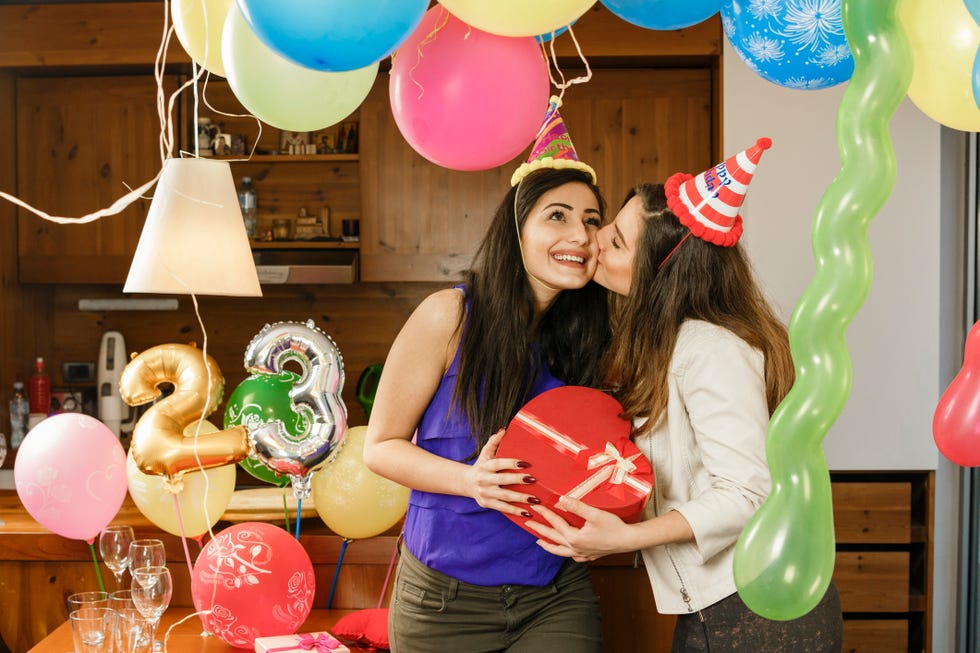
(432, 612)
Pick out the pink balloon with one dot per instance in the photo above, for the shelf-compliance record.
(465, 99)
(956, 422)
(256, 580)
(70, 474)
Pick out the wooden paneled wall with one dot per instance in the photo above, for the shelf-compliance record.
(362, 319)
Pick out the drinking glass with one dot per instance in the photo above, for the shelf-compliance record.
(121, 599)
(92, 629)
(81, 600)
(132, 631)
(114, 544)
(146, 553)
(152, 588)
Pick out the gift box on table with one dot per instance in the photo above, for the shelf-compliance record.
(321, 642)
(578, 446)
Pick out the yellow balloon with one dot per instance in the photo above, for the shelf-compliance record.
(353, 501)
(518, 17)
(203, 496)
(943, 38)
(198, 24)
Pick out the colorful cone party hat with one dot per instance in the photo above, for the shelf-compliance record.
(708, 204)
(552, 147)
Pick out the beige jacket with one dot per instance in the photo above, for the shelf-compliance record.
(709, 459)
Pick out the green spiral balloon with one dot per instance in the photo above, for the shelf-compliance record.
(784, 558)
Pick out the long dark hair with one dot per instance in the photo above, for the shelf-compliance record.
(497, 365)
(699, 281)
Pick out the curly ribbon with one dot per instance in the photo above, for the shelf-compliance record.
(784, 558)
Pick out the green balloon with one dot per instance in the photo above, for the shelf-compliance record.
(784, 559)
(259, 399)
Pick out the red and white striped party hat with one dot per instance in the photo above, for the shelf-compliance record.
(709, 204)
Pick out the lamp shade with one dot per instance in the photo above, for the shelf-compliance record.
(194, 239)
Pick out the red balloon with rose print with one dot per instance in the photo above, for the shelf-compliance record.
(956, 422)
(256, 581)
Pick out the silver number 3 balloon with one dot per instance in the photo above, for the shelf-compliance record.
(315, 398)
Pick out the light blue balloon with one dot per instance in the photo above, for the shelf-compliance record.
(544, 38)
(793, 43)
(974, 7)
(333, 35)
(663, 14)
(976, 78)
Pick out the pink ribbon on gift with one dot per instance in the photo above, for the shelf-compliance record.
(610, 466)
(322, 643)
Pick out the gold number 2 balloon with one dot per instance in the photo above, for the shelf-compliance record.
(159, 444)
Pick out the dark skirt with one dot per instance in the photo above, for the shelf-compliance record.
(729, 626)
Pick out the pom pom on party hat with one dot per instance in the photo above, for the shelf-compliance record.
(552, 147)
(709, 204)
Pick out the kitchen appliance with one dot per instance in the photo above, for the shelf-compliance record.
(113, 411)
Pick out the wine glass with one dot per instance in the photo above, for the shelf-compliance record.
(152, 588)
(114, 544)
(146, 553)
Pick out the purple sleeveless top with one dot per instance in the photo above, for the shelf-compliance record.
(455, 535)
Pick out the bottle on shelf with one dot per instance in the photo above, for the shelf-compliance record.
(39, 396)
(248, 200)
(19, 409)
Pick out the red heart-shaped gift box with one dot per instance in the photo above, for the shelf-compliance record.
(578, 445)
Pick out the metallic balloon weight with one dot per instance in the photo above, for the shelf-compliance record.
(315, 398)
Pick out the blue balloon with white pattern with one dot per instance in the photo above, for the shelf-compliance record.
(798, 44)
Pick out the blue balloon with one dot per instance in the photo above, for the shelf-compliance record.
(976, 78)
(663, 14)
(333, 35)
(974, 7)
(793, 43)
(544, 38)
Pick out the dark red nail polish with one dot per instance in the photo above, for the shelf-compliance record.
(521, 464)
(529, 479)
(526, 514)
(533, 500)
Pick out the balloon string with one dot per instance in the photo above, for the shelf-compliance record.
(95, 561)
(204, 409)
(582, 79)
(444, 18)
(285, 510)
(204, 98)
(183, 538)
(299, 511)
(336, 573)
(391, 565)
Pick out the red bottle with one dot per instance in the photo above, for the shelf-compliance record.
(40, 392)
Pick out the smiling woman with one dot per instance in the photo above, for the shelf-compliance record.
(526, 319)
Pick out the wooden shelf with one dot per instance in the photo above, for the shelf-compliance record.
(288, 158)
(303, 244)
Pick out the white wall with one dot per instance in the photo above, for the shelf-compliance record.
(894, 339)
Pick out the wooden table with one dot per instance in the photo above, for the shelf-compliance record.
(186, 637)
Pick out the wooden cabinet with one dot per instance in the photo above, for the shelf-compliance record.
(83, 142)
(285, 183)
(883, 525)
(423, 223)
